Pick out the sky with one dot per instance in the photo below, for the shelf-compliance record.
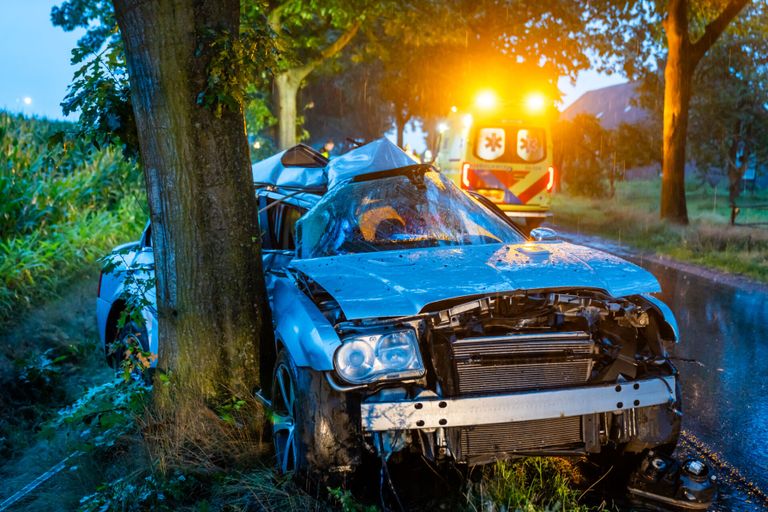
(34, 58)
(35, 69)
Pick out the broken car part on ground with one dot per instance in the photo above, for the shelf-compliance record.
(410, 316)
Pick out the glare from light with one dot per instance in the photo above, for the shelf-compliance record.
(535, 102)
(257, 145)
(454, 109)
(442, 127)
(467, 120)
(27, 100)
(486, 100)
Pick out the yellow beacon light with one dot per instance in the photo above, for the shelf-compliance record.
(486, 100)
(535, 102)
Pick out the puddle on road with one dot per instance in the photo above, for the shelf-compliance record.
(724, 367)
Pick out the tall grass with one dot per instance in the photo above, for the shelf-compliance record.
(632, 218)
(63, 203)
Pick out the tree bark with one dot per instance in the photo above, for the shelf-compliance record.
(287, 84)
(401, 120)
(210, 288)
(678, 75)
(682, 58)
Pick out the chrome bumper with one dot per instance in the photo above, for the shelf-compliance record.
(432, 412)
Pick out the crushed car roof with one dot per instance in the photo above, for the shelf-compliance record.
(287, 172)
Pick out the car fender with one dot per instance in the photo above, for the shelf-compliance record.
(666, 314)
(301, 327)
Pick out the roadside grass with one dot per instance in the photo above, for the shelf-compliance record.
(631, 217)
(530, 484)
(63, 204)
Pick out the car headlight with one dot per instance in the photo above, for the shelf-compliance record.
(366, 358)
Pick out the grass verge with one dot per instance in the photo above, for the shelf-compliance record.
(631, 217)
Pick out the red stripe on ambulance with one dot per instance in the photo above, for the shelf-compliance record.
(539, 186)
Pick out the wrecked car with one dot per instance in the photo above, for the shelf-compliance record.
(413, 317)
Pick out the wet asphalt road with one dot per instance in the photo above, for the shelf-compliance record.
(723, 361)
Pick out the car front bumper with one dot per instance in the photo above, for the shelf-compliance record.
(433, 412)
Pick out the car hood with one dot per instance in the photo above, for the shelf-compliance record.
(401, 283)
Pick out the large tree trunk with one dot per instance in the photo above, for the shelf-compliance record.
(682, 58)
(201, 197)
(678, 75)
(287, 84)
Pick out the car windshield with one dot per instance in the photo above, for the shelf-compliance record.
(401, 211)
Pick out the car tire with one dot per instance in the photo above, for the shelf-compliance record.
(130, 333)
(313, 434)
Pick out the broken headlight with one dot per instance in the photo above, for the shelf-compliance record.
(370, 357)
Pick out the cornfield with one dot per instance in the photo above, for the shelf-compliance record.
(63, 204)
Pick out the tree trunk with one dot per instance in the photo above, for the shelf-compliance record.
(678, 75)
(682, 58)
(210, 287)
(400, 121)
(287, 84)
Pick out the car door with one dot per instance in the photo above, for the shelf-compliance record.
(278, 229)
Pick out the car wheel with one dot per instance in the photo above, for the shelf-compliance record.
(312, 431)
(131, 334)
(285, 416)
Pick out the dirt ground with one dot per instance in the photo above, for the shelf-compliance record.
(48, 358)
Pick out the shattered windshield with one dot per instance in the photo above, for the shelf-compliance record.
(401, 211)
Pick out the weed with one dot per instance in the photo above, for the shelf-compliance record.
(531, 484)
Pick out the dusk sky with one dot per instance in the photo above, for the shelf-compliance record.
(35, 69)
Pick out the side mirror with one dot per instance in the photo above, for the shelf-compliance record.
(543, 234)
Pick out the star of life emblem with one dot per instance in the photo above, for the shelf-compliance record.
(490, 143)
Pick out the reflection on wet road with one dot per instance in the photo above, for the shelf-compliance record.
(723, 362)
(723, 365)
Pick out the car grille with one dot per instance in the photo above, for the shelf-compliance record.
(522, 436)
(526, 361)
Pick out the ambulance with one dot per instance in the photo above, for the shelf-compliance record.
(503, 151)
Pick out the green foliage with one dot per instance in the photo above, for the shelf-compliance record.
(585, 146)
(64, 203)
(347, 502)
(99, 91)
(240, 64)
(531, 484)
(104, 414)
(632, 218)
(152, 492)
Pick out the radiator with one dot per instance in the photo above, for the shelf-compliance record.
(526, 361)
(522, 436)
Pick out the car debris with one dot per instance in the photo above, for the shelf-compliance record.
(690, 485)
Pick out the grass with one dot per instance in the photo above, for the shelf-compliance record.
(63, 204)
(631, 217)
(530, 484)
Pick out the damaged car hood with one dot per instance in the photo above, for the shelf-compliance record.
(401, 283)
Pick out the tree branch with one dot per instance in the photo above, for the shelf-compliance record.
(339, 43)
(715, 28)
(335, 47)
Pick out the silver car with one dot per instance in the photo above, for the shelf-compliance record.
(410, 316)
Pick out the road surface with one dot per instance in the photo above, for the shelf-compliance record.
(723, 362)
